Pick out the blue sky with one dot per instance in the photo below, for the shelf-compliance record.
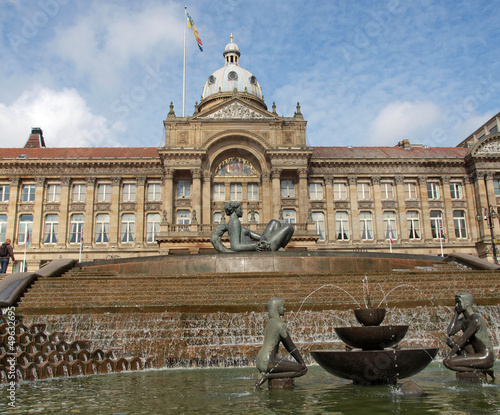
(103, 73)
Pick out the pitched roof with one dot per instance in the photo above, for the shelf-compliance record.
(80, 153)
(388, 152)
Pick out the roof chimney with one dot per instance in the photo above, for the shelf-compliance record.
(36, 139)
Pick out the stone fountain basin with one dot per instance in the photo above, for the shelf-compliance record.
(374, 367)
(371, 337)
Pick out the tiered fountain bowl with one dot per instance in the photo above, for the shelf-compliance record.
(372, 356)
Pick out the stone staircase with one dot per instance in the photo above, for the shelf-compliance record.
(210, 320)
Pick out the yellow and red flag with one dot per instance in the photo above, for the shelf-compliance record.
(191, 25)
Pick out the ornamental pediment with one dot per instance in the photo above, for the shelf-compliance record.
(236, 111)
(487, 146)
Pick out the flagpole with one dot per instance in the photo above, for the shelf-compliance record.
(184, 75)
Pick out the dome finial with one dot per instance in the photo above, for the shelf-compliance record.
(231, 38)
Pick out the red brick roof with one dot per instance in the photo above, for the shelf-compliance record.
(152, 152)
(81, 153)
(388, 152)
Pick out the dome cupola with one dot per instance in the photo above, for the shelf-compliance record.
(230, 78)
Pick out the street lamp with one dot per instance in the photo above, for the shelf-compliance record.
(489, 214)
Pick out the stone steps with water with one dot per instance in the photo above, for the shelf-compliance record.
(207, 319)
(29, 352)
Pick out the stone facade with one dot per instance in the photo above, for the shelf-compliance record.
(143, 201)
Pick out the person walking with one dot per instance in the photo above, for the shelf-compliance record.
(6, 252)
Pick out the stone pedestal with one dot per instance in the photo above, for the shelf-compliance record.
(473, 377)
(283, 383)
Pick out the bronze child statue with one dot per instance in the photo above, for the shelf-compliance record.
(268, 363)
(472, 351)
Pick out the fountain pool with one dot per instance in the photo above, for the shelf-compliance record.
(231, 391)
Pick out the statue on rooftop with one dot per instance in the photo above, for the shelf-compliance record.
(472, 351)
(269, 364)
(274, 238)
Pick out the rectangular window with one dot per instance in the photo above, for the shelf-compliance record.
(236, 192)
(252, 191)
(76, 229)
(342, 226)
(390, 226)
(50, 229)
(152, 226)
(287, 188)
(339, 191)
(496, 185)
(102, 228)
(183, 188)
(78, 193)
(315, 191)
(289, 216)
(28, 193)
(413, 223)
(129, 191)
(54, 193)
(25, 228)
(363, 191)
(411, 191)
(387, 191)
(217, 217)
(127, 230)
(4, 192)
(219, 192)
(104, 193)
(366, 225)
(456, 190)
(154, 192)
(3, 228)
(436, 223)
(460, 225)
(319, 219)
(432, 190)
(183, 220)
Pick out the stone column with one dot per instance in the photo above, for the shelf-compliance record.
(88, 226)
(12, 219)
(471, 209)
(482, 203)
(401, 215)
(276, 192)
(378, 225)
(168, 194)
(353, 195)
(492, 200)
(115, 220)
(266, 197)
(330, 209)
(196, 193)
(425, 226)
(62, 236)
(37, 233)
(303, 196)
(140, 197)
(206, 214)
(448, 225)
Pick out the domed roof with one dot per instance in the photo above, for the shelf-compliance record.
(232, 76)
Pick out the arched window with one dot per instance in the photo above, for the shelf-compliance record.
(50, 229)
(128, 228)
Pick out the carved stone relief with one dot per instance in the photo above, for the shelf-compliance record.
(412, 204)
(152, 206)
(127, 206)
(389, 204)
(236, 111)
(77, 207)
(289, 202)
(342, 205)
(363, 204)
(101, 207)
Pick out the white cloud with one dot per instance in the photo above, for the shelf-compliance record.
(103, 43)
(400, 120)
(64, 117)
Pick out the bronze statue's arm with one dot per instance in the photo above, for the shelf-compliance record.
(468, 333)
(254, 235)
(455, 325)
(292, 349)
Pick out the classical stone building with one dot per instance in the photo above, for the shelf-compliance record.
(107, 202)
